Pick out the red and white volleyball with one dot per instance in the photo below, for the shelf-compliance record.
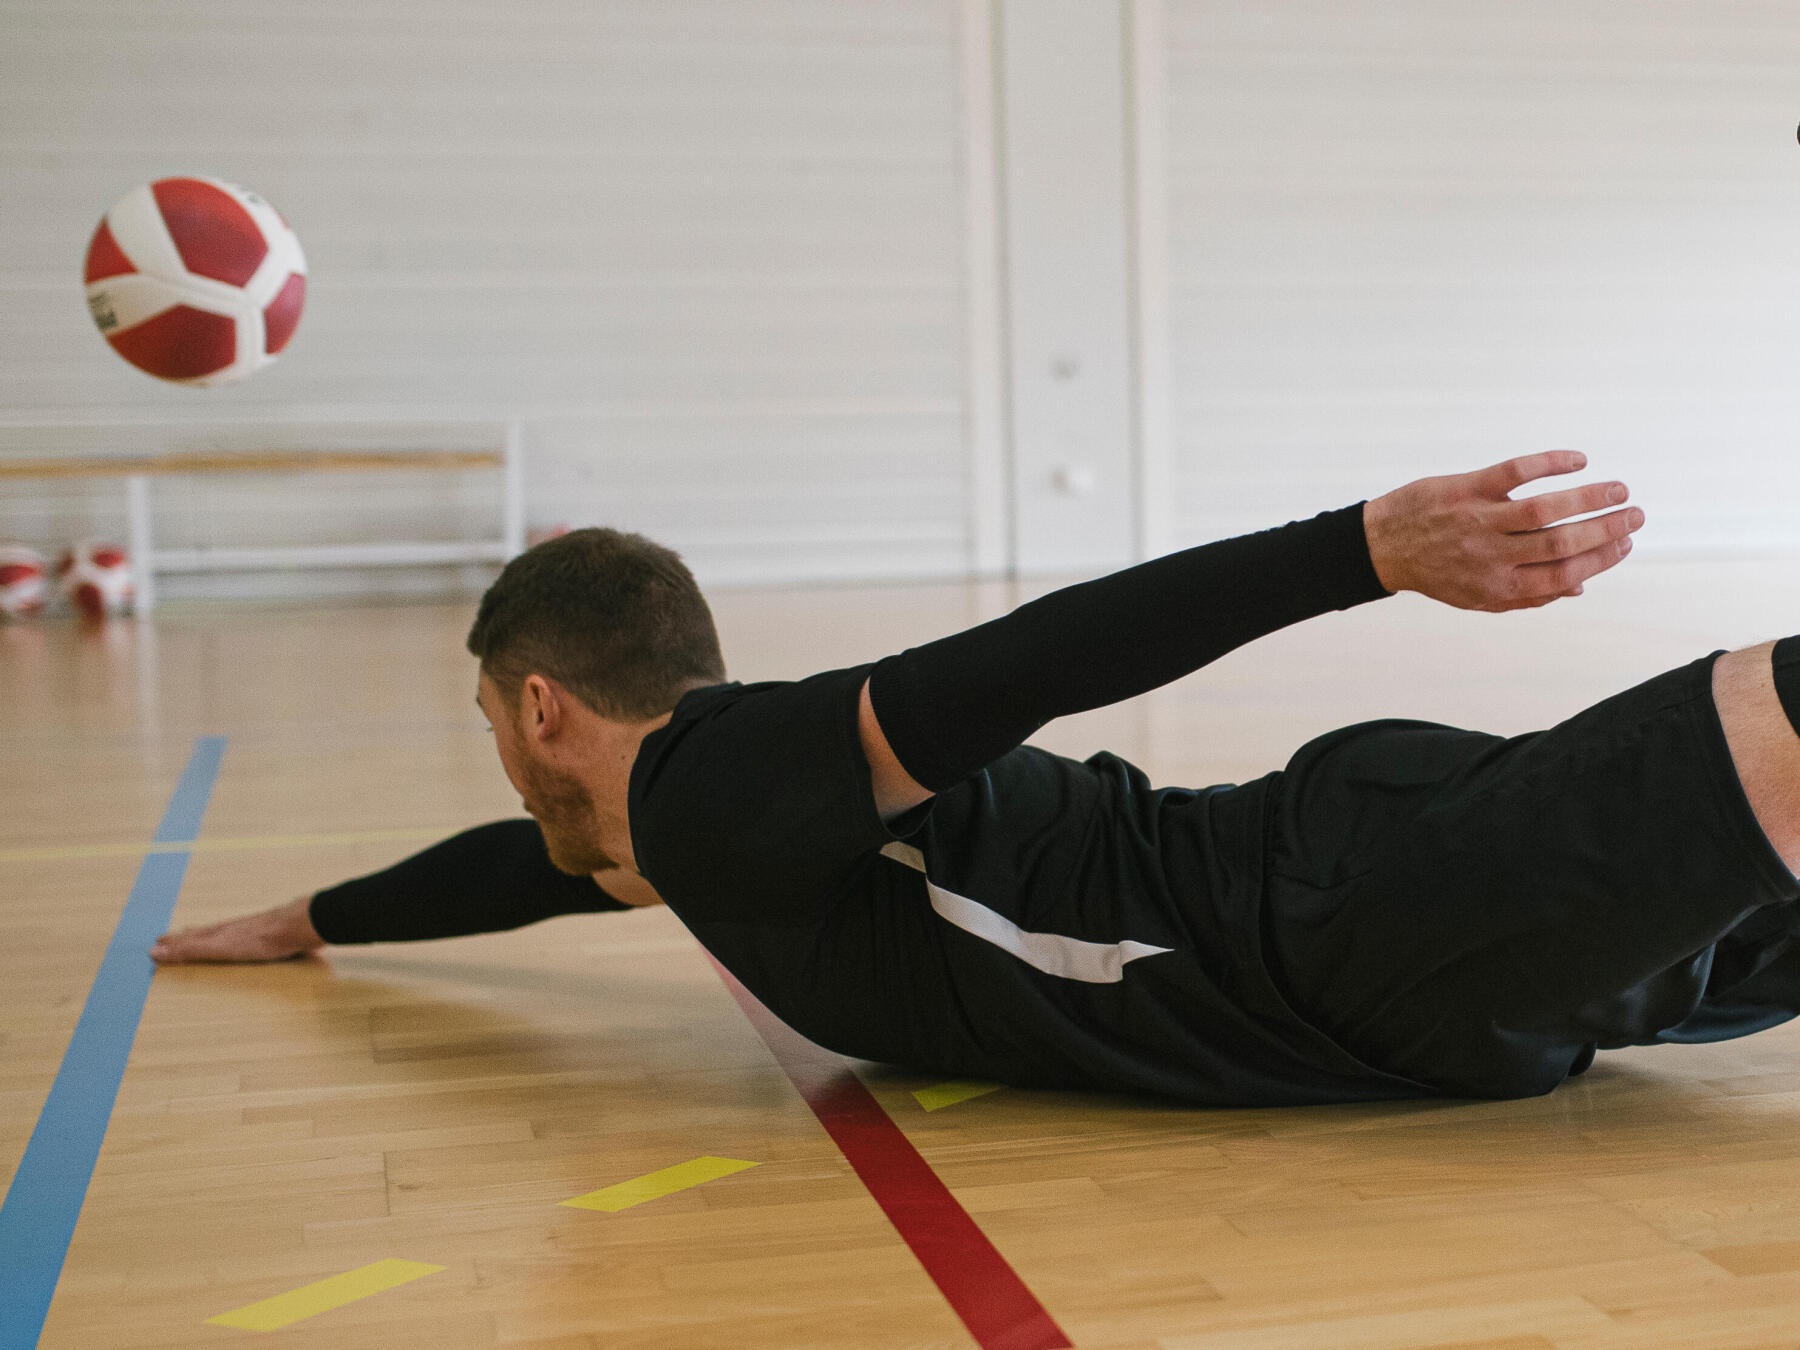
(96, 579)
(195, 281)
(22, 583)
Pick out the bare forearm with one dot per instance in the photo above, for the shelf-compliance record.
(295, 919)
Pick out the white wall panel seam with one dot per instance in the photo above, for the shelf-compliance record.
(990, 514)
(1147, 160)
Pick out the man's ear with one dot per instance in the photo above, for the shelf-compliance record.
(541, 708)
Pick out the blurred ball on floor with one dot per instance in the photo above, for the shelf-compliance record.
(96, 579)
(23, 585)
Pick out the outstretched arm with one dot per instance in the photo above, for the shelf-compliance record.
(483, 880)
(935, 714)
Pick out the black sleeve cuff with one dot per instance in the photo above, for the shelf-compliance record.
(1345, 534)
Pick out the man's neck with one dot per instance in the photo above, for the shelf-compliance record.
(627, 887)
(614, 758)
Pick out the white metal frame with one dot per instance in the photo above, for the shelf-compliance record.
(150, 561)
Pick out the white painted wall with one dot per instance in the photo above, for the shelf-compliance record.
(748, 274)
(1415, 236)
(710, 253)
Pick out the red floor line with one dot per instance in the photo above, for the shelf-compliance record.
(993, 1302)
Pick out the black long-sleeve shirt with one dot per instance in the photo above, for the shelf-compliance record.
(947, 708)
(1039, 920)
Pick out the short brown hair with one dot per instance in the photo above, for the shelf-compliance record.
(614, 618)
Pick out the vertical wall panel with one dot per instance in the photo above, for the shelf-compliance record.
(710, 254)
(1068, 283)
(1424, 235)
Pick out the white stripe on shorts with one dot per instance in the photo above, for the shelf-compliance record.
(1066, 957)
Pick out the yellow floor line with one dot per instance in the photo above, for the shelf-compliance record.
(68, 852)
(655, 1185)
(285, 1309)
(937, 1097)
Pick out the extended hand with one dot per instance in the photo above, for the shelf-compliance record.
(1463, 540)
(273, 935)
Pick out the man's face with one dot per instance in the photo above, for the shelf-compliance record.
(559, 802)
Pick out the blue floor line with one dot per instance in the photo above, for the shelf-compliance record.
(44, 1201)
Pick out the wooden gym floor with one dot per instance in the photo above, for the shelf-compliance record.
(434, 1103)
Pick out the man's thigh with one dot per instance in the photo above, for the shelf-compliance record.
(1765, 752)
(1506, 901)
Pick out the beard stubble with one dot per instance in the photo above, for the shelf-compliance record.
(564, 811)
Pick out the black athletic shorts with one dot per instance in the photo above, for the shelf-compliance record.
(1478, 913)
